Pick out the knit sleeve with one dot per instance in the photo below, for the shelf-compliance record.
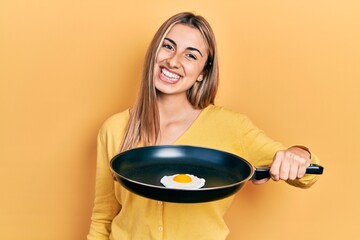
(260, 150)
(106, 206)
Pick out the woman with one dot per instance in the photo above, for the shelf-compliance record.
(176, 106)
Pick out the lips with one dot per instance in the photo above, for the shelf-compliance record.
(169, 76)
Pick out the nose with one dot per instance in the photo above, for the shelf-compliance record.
(174, 61)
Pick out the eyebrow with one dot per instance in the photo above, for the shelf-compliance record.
(189, 48)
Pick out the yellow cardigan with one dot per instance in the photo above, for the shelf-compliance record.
(121, 215)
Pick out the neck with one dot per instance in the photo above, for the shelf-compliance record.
(173, 106)
(176, 116)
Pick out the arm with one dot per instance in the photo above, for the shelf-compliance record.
(286, 164)
(290, 165)
(106, 206)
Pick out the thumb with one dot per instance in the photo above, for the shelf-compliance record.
(261, 181)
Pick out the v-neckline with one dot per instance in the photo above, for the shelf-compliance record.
(192, 125)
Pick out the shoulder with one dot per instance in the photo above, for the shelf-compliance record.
(223, 114)
(115, 123)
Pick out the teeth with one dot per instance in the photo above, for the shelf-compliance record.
(170, 74)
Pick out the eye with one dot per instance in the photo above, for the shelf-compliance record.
(191, 56)
(167, 46)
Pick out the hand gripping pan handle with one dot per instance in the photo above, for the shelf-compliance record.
(264, 172)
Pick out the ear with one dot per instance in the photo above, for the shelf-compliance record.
(200, 78)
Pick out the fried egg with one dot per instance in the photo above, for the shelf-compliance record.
(183, 181)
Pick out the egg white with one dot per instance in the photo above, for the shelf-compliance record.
(196, 182)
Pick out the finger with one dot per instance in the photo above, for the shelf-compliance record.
(304, 164)
(275, 166)
(261, 181)
(285, 167)
(294, 168)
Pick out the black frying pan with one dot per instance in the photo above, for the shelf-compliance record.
(140, 169)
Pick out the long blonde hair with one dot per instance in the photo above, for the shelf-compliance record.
(144, 123)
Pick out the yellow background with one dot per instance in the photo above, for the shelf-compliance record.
(292, 66)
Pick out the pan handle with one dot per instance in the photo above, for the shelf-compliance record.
(264, 172)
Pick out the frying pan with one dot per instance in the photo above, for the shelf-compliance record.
(140, 170)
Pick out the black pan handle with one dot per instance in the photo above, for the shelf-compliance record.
(264, 172)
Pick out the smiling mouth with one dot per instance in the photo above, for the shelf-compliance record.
(169, 76)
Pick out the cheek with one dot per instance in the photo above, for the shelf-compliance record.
(198, 67)
(161, 56)
(195, 70)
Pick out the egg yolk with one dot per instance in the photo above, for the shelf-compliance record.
(182, 178)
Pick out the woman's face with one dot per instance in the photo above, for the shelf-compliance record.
(180, 60)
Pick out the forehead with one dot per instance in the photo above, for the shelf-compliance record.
(187, 36)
